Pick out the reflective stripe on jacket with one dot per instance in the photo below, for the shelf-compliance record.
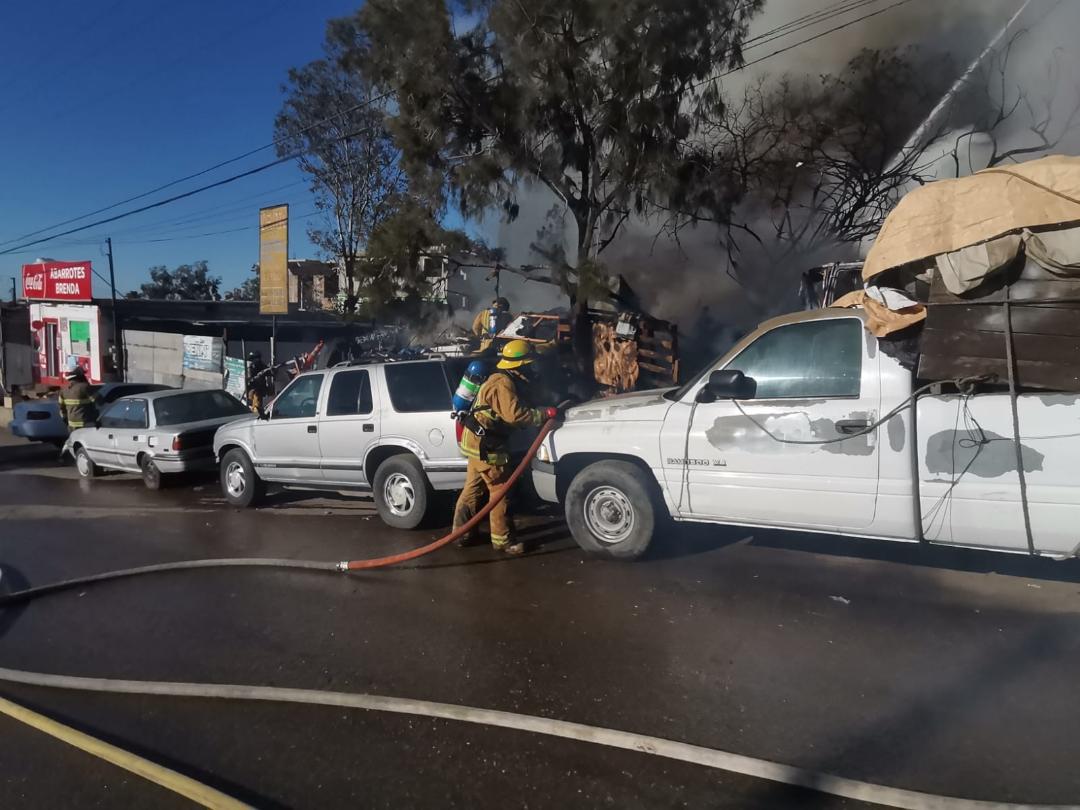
(77, 405)
(498, 409)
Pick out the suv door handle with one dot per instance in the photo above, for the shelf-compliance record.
(312, 429)
(850, 426)
(110, 435)
(368, 427)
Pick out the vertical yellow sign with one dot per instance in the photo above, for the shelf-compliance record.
(274, 260)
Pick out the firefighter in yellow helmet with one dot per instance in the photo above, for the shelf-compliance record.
(490, 321)
(499, 408)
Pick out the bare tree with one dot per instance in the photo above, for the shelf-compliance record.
(816, 162)
(1016, 123)
(331, 116)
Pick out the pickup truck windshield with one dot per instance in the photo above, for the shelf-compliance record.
(196, 406)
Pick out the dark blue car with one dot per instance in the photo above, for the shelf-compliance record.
(39, 420)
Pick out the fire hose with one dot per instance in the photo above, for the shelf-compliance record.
(165, 777)
(307, 565)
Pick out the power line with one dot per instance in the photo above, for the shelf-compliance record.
(808, 21)
(174, 198)
(779, 51)
(249, 153)
(217, 233)
(201, 214)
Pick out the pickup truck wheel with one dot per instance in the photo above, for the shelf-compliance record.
(611, 510)
(86, 467)
(402, 492)
(240, 484)
(151, 474)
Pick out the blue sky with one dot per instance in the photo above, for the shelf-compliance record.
(106, 99)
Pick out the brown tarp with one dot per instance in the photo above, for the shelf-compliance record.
(948, 215)
(880, 320)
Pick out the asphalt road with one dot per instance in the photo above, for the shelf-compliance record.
(946, 671)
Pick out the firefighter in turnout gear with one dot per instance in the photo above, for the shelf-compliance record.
(491, 321)
(499, 408)
(77, 406)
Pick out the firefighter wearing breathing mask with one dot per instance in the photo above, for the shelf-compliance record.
(489, 322)
(500, 408)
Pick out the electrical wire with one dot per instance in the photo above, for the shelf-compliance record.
(779, 51)
(962, 383)
(366, 103)
(175, 197)
(805, 22)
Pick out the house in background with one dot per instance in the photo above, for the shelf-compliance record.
(314, 284)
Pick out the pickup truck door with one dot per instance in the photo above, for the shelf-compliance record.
(349, 426)
(287, 444)
(815, 381)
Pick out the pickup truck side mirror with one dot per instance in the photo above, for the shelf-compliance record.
(727, 384)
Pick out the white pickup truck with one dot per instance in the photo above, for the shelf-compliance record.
(783, 432)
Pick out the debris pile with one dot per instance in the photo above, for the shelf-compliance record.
(989, 270)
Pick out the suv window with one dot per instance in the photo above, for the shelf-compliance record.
(418, 387)
(125, 413)
(350, 394)
(812, 359)
(300, 400)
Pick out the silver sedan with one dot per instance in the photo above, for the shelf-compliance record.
(158, 433)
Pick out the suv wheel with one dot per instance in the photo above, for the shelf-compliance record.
(611, 510)
(240, 484)
(86, 467)
(402, 492)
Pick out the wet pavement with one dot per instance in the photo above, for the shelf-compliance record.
(940, 670)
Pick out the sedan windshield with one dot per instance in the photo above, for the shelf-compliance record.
(196, 406)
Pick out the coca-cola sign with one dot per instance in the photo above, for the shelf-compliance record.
(57, 281)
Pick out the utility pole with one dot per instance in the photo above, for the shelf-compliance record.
(14, 297)
(117, 353)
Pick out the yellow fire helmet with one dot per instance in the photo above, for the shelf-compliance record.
(517, 353)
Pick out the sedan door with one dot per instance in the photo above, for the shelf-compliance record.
(287, 443)
(114, 442)
(349, 427)
(129, 437)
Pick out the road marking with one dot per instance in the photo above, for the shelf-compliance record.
(613, 738)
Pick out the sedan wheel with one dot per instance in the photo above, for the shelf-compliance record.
(86, 467)
(151, 475)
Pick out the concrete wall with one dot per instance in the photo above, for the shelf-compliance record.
(154, 357)
(158, 357)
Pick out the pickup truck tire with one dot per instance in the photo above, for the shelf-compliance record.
(240, 484)
(611, 510)
(86, 467)
(402, 492)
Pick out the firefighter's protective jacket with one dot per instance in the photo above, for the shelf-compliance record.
(77, 404)
(496, 412)
(481, 325)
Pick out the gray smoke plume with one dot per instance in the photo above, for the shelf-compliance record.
(694, 278)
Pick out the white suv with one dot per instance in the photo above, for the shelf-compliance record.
(381, 427)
